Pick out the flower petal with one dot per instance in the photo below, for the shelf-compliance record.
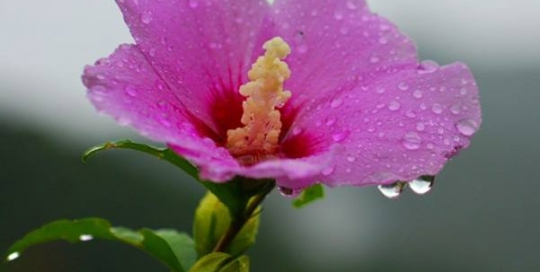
(125, 86)
(397, 128)
(338, 45)
(291, 173)
(201, 48)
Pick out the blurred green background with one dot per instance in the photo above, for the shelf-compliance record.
(481, 215)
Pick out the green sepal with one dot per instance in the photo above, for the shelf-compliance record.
(161, 153)
(235, 194)
(212, 220)
(221, 262)
(309, 195)
(174, 249)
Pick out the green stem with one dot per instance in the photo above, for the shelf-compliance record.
(238, 223)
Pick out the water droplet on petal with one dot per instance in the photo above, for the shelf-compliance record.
(437, 108)
(193, 3)
(410, 114)
(422, 184)
(428, 66)
(374, 59)
(336, 103)
(86, 237)
(417, 94)
(131, 90)
(328, 171)
(411, 140)
(160, 86)
(164, 121)
(338, 137)
(99, 89)
(351, 5)
(403, 86)
(288, 192)
(351, 159)
(467, 127)
(330, 121)
(394, 106)
(296, 130)
(146, 17)
(392, 190)
(338, 15)
(13, 256)
(455, 109)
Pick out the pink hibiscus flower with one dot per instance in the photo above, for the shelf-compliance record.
(350, 104)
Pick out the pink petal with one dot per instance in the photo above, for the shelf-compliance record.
(202, 49)
(338, 45)
(221, 167)
(399, 127)
(126, 87)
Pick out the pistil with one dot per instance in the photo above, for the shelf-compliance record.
(258, 138)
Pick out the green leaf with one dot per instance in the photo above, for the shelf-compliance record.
(176, 250)
(161, 153)
(309, 195)
(221, 262)
(212, 220)
(182, 245)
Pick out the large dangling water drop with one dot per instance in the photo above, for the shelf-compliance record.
(288, 192)
(422, 184)
(392, 190)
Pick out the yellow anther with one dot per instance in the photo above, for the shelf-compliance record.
(264, 93)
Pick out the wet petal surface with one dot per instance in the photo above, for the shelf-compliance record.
(397, 128)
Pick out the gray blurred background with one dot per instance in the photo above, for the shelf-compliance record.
(482, 214)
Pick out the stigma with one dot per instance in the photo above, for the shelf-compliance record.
(258, 139)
